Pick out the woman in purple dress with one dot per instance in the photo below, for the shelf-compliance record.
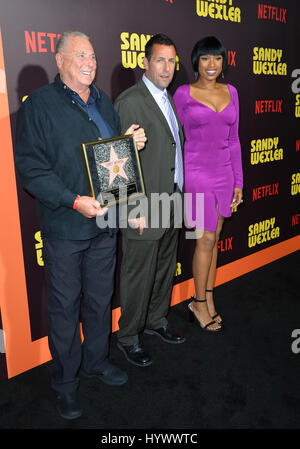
(209, 113)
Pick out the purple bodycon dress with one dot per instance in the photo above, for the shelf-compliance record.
(212, 153)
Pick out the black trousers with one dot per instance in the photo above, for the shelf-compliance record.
(147, 275)
(80, 278)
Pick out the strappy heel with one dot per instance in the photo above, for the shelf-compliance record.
(217, 314)
(192, 317)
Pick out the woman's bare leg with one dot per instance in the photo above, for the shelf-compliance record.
(212, 271)
(202, 260)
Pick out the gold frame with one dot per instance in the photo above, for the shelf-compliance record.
(88, 146)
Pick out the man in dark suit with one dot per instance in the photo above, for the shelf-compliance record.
(79, 256)
(149, 246)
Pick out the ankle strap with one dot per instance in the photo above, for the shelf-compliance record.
(209, 290)
(198, 300)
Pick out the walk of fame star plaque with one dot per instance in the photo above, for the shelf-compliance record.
(113, 169)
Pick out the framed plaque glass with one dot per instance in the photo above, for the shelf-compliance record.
(113, 169)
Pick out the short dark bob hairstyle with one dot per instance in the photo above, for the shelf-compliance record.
(209, 45)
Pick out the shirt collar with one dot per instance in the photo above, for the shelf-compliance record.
(155, 91)
(93, 92)
(91, 100)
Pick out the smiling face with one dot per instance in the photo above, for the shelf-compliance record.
(160, 68)
(77, 64)
(210, 66)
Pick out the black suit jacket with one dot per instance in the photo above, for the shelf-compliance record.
(137, 105)
(50, 128)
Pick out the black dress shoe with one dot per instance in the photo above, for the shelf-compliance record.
(135, 354)
(68, 406)
(166, 334)
(112, 375)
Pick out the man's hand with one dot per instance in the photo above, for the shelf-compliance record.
(139, 223)
(89, 207)
(138, 135)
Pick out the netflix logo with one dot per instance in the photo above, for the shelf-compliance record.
(265, 106)
(225, 244)
(297, 145)
(269, 12)
(295, 219)
(231, 58)
(40, 42)
(265, 191)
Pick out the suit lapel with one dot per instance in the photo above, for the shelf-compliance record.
(155, 108)
(181, 137)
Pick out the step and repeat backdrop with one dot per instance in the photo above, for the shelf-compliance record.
(261, 40)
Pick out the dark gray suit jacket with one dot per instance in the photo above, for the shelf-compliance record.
(137, 105)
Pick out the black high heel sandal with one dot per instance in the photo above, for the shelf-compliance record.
(192, 317)
(217, 314)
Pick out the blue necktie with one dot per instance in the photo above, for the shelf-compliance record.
(178, 178)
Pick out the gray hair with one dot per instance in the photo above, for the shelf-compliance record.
(65, 36)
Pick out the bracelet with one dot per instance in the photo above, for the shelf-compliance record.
(76, 202)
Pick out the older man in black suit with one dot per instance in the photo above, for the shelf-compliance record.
(79, 256)
(149, 253)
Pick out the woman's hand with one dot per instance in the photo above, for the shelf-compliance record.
(237, 197)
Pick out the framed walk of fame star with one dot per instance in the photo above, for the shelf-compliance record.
(113, 169)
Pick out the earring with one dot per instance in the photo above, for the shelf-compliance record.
(223, 75)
